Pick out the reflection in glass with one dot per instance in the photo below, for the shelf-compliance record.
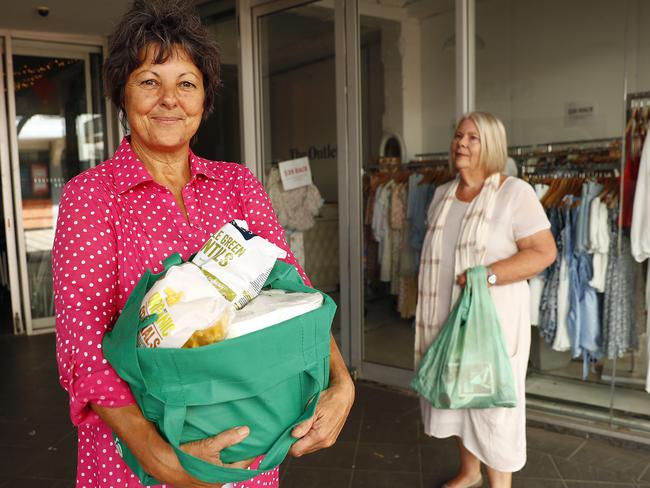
(298, 88)
(408, 95)
(218, 137)
(59, 136)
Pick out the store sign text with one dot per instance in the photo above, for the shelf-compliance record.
(326, 151)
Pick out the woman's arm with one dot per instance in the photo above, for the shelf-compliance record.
(535, 253)
(157, 457)
(333, 407)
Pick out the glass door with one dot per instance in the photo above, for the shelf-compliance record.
(56, 126)
(295, 51)
(407, 60)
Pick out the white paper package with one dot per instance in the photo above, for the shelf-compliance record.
(271, 307)
(237, 262)
(185, 302)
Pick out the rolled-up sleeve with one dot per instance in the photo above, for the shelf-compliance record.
(84, 268)
(262, 220)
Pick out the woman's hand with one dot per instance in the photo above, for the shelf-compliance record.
(334, 405)
(210, 449)
(157, 457)
(324, 427)
(461, 279)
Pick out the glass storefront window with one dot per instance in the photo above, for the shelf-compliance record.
(408, 90)
(558, 74)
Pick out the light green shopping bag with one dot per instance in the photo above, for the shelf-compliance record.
(269, 380)
(467, 365)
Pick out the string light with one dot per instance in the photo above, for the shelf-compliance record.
(31, 75)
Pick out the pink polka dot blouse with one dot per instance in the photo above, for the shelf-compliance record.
(114, 222)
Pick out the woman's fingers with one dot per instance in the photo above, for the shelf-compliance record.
(210, 449)
(303, 427)
(461, 279)
(241, 464)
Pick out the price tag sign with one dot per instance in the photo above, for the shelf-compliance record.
(295, 173)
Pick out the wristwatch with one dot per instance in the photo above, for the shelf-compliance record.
(491, 277)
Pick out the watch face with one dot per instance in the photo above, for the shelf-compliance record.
(492, 279)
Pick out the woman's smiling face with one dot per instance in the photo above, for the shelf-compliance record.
(164, 102)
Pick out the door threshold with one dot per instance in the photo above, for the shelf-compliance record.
(628, 431)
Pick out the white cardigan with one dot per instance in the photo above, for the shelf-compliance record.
(640, 232)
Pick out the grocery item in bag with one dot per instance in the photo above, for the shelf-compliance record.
(237, 262)
(190, 311)
(271, 307)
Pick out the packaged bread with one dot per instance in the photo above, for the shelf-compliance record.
(237, 262)
(190, 311)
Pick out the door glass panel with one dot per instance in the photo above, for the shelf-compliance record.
(59, 135)
(408, 103)
(298, 89)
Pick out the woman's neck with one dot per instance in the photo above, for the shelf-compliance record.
(170, 168)
(471, 182)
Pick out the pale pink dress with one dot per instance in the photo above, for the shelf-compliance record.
(114, 223)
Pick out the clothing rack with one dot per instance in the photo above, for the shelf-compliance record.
(572, 147)
(411, 165)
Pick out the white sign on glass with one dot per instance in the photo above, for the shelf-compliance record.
(295, 173)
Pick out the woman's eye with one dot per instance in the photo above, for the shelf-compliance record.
(475, 139)
(187, 84)
(150, 82)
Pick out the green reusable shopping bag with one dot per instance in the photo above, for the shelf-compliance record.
(269, 380)
(467, 365)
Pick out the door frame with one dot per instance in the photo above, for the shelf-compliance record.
(8, 202)
(70, 45)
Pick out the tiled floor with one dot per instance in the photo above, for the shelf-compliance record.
(381, 445)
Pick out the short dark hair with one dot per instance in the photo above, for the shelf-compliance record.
(167, 25)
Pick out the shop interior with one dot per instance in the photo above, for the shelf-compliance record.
(560, 125)
(575, 105)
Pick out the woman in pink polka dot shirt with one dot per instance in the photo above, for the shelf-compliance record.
(152, 198)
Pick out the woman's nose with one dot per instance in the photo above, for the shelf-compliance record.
(168, 96)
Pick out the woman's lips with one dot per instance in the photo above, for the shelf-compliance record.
(166, 120)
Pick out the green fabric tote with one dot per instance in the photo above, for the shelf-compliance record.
(269, 380)
(467, 365)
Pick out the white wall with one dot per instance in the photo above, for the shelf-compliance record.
(539, 56)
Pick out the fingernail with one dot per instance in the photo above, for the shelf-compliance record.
(242, 431)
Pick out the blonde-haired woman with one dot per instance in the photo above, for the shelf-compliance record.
(482, 217)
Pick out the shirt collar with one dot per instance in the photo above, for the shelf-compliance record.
(129, 171)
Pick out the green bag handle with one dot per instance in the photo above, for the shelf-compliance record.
(211, 473)
(476, 282)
